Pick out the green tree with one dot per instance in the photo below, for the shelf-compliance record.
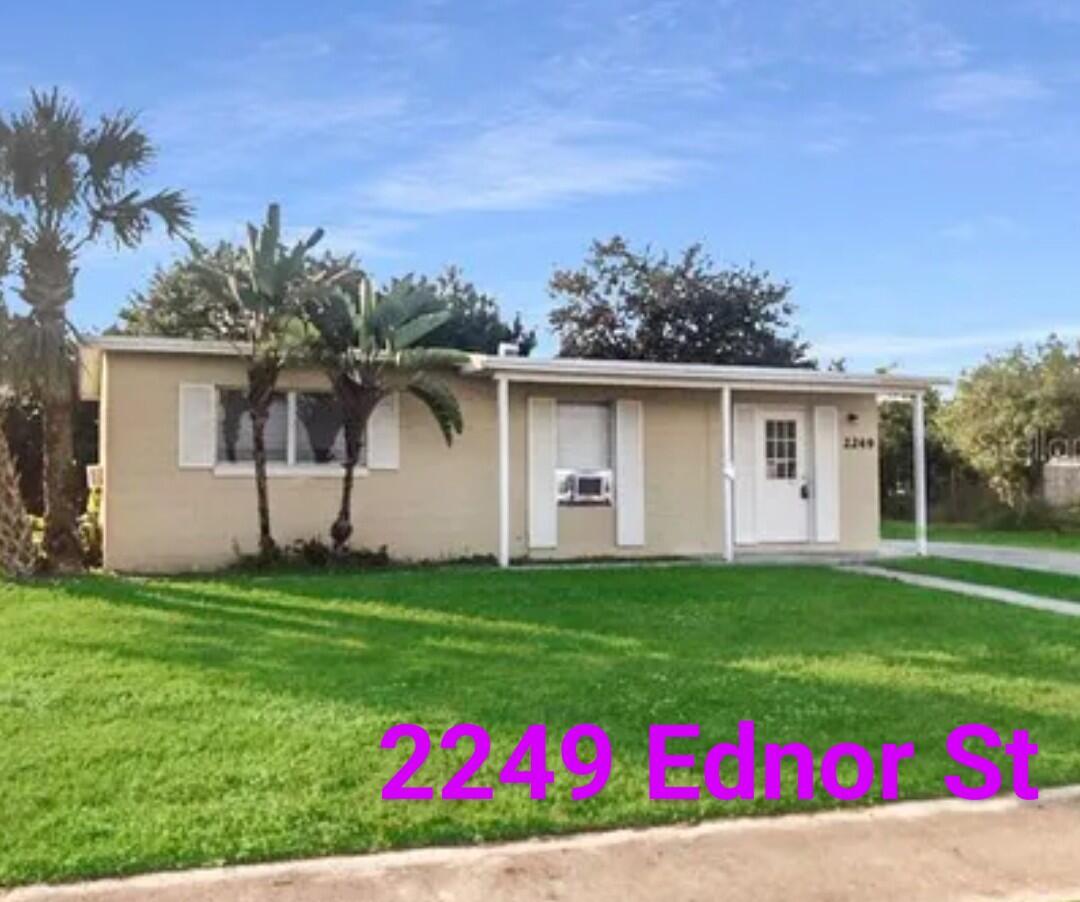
(632, 305)
(66, 184)
(369, 345)
(255, 298)
(176, 302)
(474, 322)
(896, 455)
(1006, 410)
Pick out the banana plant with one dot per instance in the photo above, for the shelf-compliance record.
(256, 305)
(365, 341)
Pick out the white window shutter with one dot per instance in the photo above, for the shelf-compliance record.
(197, 429)
(826, 474)
(543, 442)
(384, 434)
(746, 467)
(630, 473)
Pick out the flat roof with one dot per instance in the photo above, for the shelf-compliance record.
(575, 370)
(696, 375)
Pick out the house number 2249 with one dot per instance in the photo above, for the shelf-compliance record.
(852, 442)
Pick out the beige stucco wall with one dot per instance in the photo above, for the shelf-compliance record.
(683, 488)
(860, 522)
(442, 502)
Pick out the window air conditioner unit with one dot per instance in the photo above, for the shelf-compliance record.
(584, 487)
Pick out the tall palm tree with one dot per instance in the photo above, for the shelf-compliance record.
(66, 183)
(365, 341)
(255, 302)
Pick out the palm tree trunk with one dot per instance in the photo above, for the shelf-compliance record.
(341, 530)
(58, 452)
(48, 286)
(262, 491)
(262, 377)
(356, 407)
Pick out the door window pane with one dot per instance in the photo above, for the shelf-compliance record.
(781, 454)
(235, 443)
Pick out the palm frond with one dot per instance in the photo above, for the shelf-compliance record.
(42, 148)
(384, 314)
(416, 299)
(331, 318)
(34, 356)
(413, 360)
(412, 330)
(130, 217)
(173, 208)
(436, 395)
(114, 150)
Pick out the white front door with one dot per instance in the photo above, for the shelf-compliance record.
(783, 507)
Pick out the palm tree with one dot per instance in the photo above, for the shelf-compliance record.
(365, 342)
(18, 554)
(66, 184)
(255, 303)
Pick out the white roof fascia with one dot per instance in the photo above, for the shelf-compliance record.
(595, 372)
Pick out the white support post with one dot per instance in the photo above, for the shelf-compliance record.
(918, 431)
(728, 473)
(503, 399)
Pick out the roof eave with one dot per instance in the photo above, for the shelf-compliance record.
(698, 375)
(591, 372)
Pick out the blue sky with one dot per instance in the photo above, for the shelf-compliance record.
(912, 168)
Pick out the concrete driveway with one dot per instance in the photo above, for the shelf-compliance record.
(914, 852)
(1004, 555)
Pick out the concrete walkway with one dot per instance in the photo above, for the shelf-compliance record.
(1066, 562)
(916, 852)
(991, 593)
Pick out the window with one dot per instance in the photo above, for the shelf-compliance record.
(320, 432)
(304, 429)
(583, 453)
(235, 442)
(584, 432)
(781, 454)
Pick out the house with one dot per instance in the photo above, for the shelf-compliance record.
(560, 459)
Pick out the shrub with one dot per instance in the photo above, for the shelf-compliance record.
(91, 534)
(314, 554)
(1036, 514)
(19, 556)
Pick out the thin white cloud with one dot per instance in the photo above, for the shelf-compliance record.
(527, 164)
(1057, 11)
(985, 93)
(875, 37)
(982, 228)
(298, 46)
(891, 347)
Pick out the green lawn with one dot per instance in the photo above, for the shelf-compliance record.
(167, 723)
(1060, 540)
(1050, 585)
